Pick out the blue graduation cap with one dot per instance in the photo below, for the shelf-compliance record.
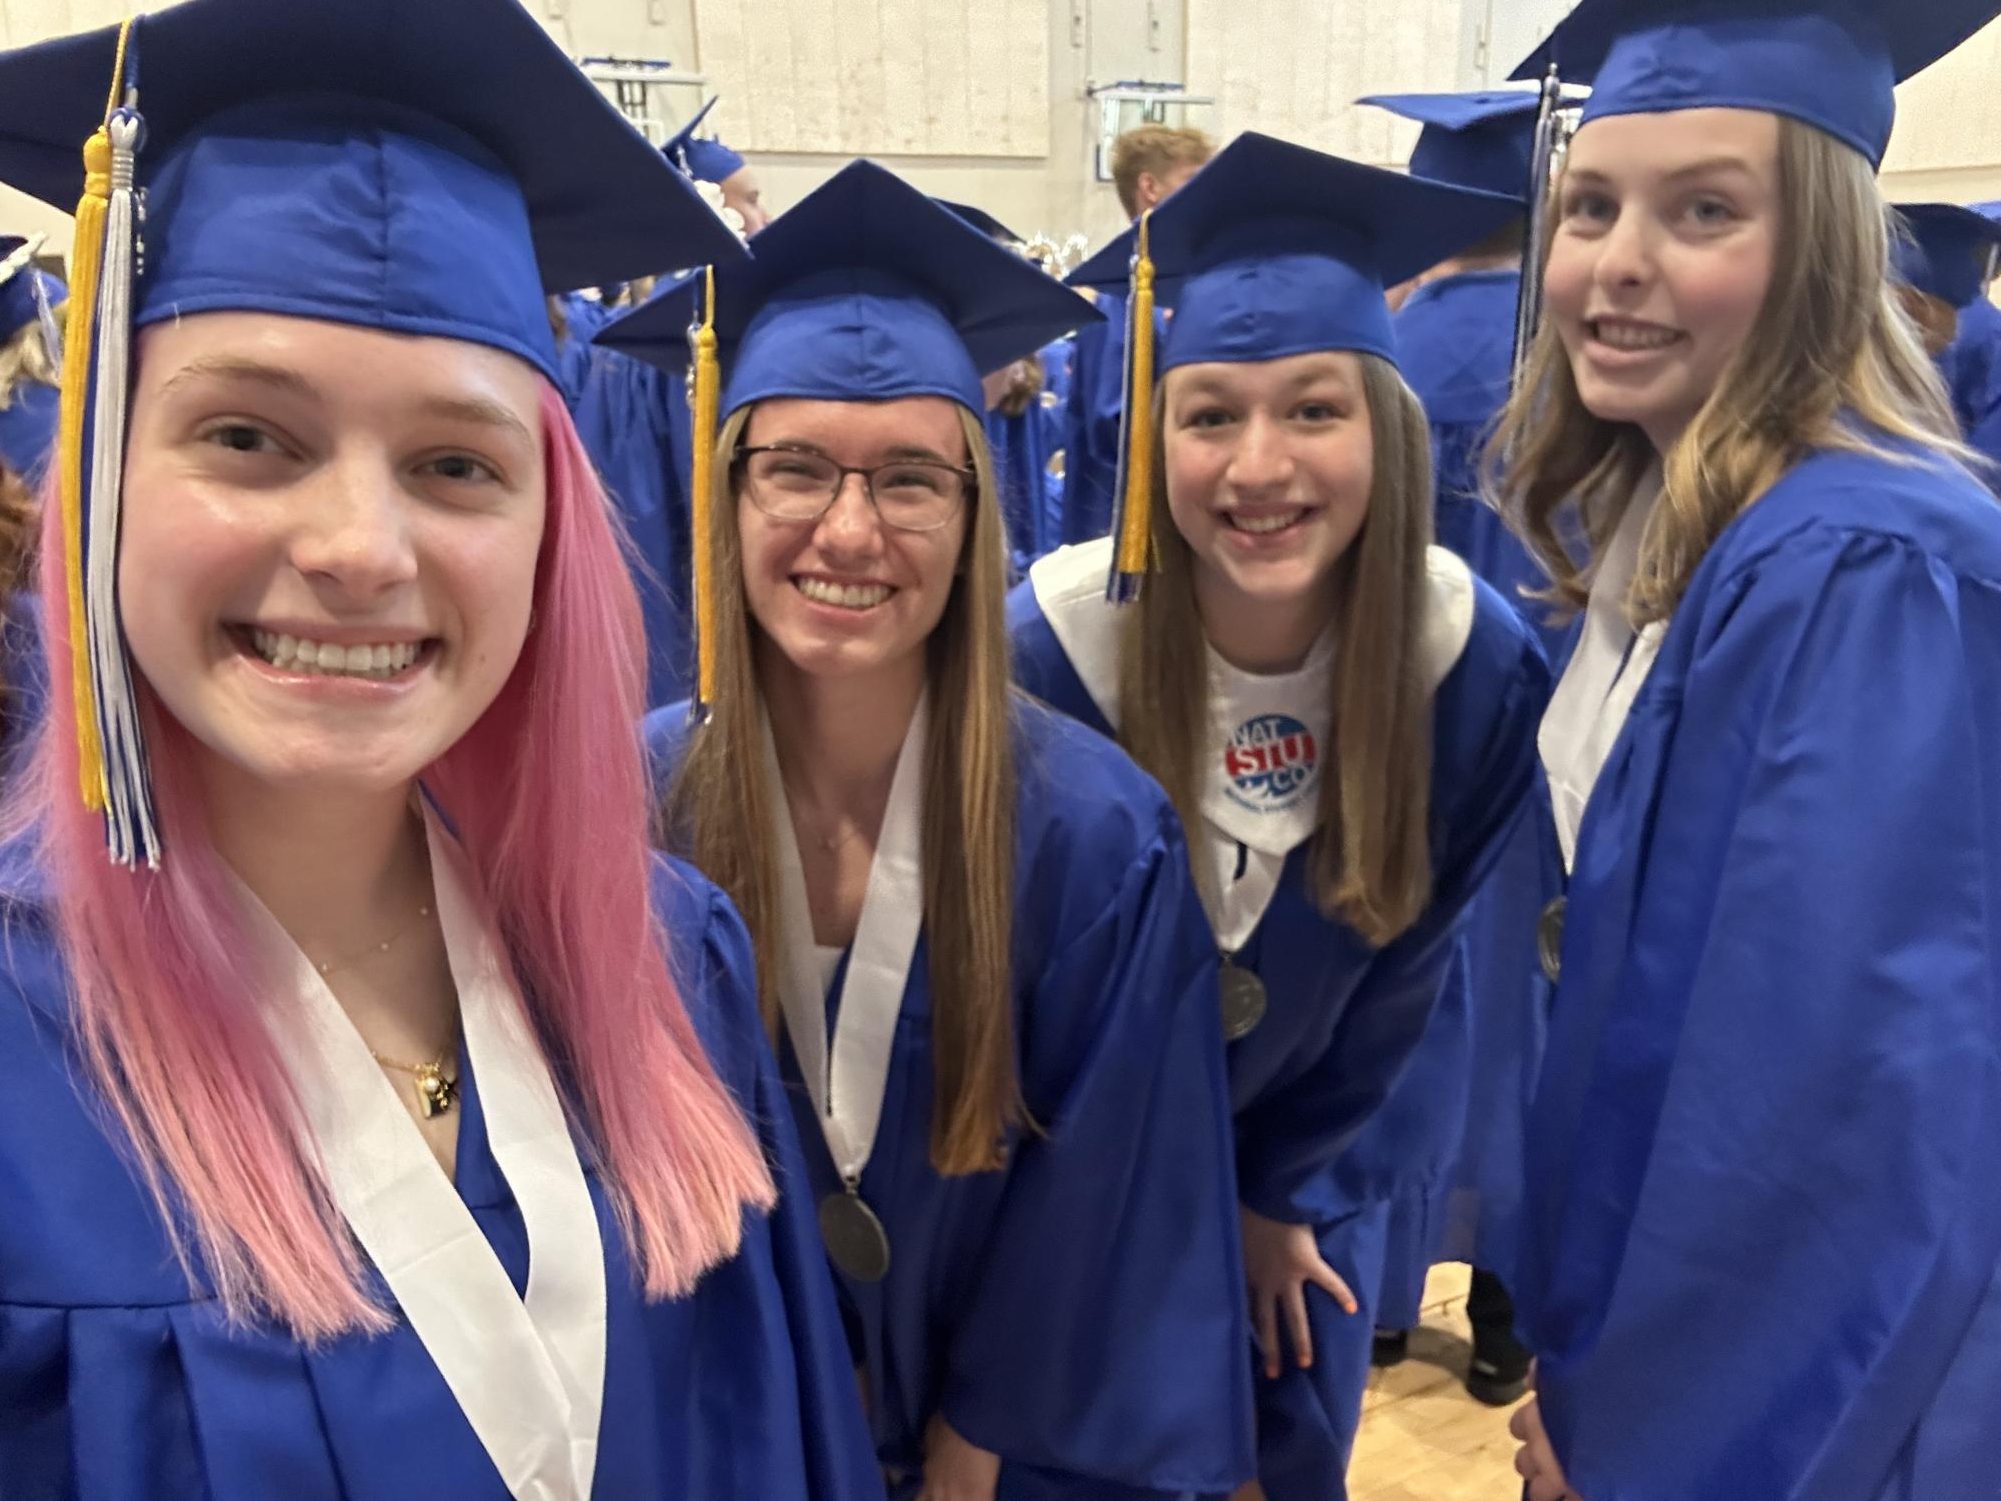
(1271, 250)
(705, 159)
(866, 290)
(1949, 253)
(981, 220)
(1484, 139)
(429, 168)
(1831, 63)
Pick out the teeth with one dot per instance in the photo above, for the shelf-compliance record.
(1261, 525)
(382, 660)
(1625, 336)
(848, 596)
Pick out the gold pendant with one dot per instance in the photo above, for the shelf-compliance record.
(435, 1093)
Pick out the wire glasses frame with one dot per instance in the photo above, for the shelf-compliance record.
(799, 484)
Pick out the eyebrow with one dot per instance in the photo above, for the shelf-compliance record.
(1219, 386)
(889, 455)
(1735, 164)
(223, 367)
(479, 411)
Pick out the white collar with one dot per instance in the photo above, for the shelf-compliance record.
(528, 1373)
(848, 1080)
(1606, 671)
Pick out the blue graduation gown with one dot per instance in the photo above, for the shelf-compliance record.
(634, 422)
(118, 1382)
(1344, 1019)
(1024, 446)
(1971, 365)
(1475, 1072)
(1079, 1311)
(28, 429)
(1764, 1240)
(1091, 422)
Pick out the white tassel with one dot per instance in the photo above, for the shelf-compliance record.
(130, 824)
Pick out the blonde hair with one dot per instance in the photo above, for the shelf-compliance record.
(25, 357)
(1159, 149)
(1831, 362)
(1371, 865)
(723, 805)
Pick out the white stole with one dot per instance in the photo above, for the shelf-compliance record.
(847, 1081)
(527, 1373)
(1606, 671)
(1256, 818)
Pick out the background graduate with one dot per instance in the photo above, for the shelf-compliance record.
(975, 918)
(1024, 420)
(1764, 1247)
(1149, 164)
(1343, 714)
(1462, 1106)
(378, 1117)
(1945, 255)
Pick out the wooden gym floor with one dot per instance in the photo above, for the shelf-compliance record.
(1422, 1437)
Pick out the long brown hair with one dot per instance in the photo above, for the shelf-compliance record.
(723, 805)
(1372, 855)
(1831, 362)
(19, 519)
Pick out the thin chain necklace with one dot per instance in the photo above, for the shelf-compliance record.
(335, 966)
(436, 1090)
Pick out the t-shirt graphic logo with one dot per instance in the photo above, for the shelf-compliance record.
(1271, 760)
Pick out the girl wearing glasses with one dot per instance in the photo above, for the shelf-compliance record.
(974, 920)
(1344, 716)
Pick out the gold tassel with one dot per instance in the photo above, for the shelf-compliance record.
(1134, 528)
(86, 262)
(707, 399)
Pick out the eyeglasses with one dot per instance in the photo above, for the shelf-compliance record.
(796, 484)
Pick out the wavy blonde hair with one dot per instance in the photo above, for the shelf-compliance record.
(1371, 864)
(1832, 361)
(723, 804)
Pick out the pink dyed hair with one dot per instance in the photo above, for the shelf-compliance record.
(549, 795)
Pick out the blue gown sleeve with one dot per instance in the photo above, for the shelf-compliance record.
(1106, 1338)
(1783, 1215)
(840, 1456)
(1293, 1141)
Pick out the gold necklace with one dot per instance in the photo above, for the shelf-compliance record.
(335, 966)
(436, 1093)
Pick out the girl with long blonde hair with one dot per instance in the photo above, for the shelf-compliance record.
(1763, 1249)
(377, 1113)
(979, 942)
(1342, 714)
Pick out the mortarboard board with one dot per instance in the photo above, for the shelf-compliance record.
(1949, 253)
(866, 290)
(1833, 64)
(981, 220)
(427, 169)
(1484, 139)
(704, 159)
(1272, 249)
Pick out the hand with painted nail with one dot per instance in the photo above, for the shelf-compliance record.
(1281, 1261)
